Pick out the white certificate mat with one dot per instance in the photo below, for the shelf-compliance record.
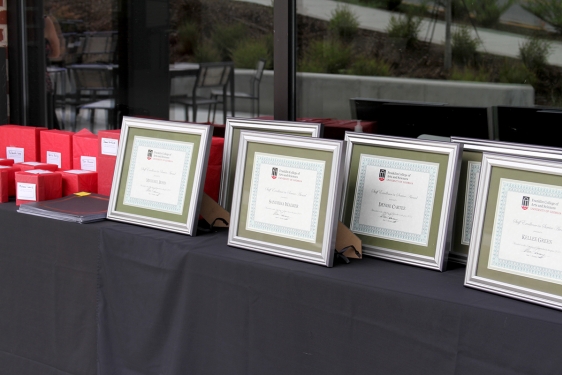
(158, 174)
(527, 234)
(394, 199)
(285, 196)
(472, 178)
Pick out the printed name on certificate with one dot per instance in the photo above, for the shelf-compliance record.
(527, 232)
(285, 196)
(394, 199)
(158, 174)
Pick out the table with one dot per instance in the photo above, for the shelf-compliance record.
(182, 305)
(48, 280)
(172, 304)
(192, 69)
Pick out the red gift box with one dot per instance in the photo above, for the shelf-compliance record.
(9, 176)
(29, 165)
(4, 185)
(56, 148)
(20, 143)
(107, 154)
(85, 150)
(37, 185)
(7, 162)
(213, 178)
(106, 168)
(77, 180)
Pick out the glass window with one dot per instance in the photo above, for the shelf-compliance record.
(167, 59)
(503, 54)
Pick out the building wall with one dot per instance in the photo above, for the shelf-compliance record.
(4, 45)
(3, 24)
(327, 95)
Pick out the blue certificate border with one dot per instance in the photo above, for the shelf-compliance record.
(186, 147)
(470, 198)
(495, 262)
(288, 162)
(402, 165)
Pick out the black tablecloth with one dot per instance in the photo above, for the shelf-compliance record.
(48, 278)
(171, 304)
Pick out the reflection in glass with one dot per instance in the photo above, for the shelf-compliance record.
(215, 32)
(383, 49)
(119, 57)
(81, 57)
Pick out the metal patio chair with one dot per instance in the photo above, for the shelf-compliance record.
(211, 76)
(253, 95)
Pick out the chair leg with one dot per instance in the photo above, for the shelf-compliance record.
(225, 107)
(194, 113)
(92, 118)
(258, 100)
(214, 107)
(63, 115)
(215, 110)
(110, 119)
(73, 117)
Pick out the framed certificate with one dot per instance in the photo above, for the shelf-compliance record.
(398, 195)
(232, 137)
(286, 196)
(516, 244)
(159, 174)
(468, 183)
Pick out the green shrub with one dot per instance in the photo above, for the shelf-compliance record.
(311, 66)
(406, 27)
(370, 67)
(206, 52)
(516, 73)
(344, 23)
(466, 74)
(534, 53)
(555, 99)
(188, 34)
(418, 8)
(268, 40)
(488, 12)
(226, 37)
(330, 56)
(548, 10)
(463, 45)
(248, 52)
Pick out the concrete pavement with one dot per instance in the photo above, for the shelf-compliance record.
(493, 42)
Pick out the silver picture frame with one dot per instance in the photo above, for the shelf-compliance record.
(197, 138)
(253, 145)
(234, 125)
(444, 156)
(468, 184)
(514, 278)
